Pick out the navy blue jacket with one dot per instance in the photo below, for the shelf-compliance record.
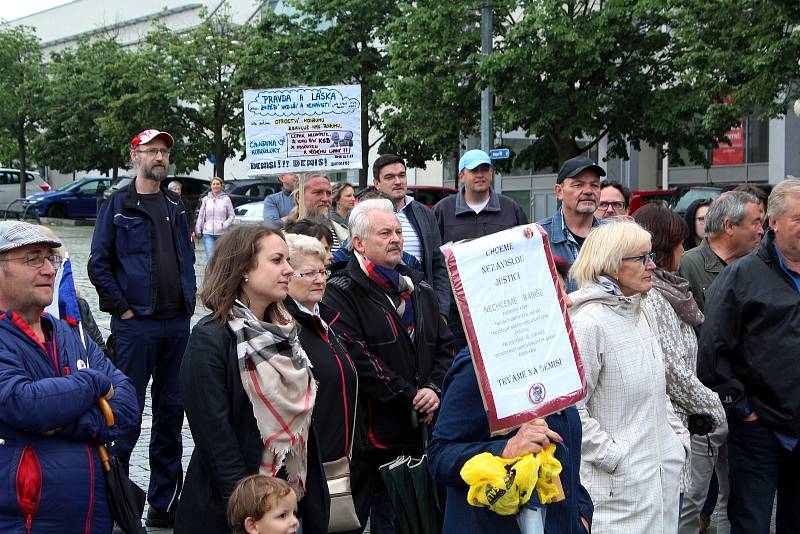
(462, 431)
(122, 264)
(56, 475)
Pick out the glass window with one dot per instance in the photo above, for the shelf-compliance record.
(757, 139)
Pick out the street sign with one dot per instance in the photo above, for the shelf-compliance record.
(500, 153)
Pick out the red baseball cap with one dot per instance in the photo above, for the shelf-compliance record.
(148, 135)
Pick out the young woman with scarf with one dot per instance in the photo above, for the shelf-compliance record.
(247, 386)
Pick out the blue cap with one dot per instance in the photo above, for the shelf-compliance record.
(473, 158)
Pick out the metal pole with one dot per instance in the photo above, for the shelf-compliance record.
(487, 137)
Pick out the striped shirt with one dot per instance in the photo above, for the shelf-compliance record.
(411, 242)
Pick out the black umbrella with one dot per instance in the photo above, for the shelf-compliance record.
(125, 499)
(414, 495)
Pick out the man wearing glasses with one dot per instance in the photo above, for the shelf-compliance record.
(51, 377)
(142, 265)
(615, 200)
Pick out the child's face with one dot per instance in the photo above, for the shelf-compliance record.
(280, 519)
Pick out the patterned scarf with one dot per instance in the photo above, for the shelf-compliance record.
(276, 375)
(676, 290)
(399, 289)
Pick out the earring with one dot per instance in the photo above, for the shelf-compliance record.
(246, 279)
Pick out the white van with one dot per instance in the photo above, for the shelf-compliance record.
(9, 187)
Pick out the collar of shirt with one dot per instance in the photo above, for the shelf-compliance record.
(793, 275)
(313, 313)
(408, 200)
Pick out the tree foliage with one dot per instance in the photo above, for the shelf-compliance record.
(326, 42)
(199, 72)
(22, 85)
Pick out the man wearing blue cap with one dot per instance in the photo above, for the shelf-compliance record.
(475, 211)
(578, 191)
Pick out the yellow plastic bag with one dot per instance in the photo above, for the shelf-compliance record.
(505, 485)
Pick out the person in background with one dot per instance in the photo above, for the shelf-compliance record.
(695, 218)
(336, 406)
(278, 206)
(631, 459)
(316, 205)
(142, 265)
(319, 231)
(615, 200)
(214, 216)
(748, 355)
(248, 387)
(421, 238)
(578, 191)
(343, 198)
(760, 194)
(51, 377)
(176, 187)
(461, 434)
(676, 315)
(475, 211)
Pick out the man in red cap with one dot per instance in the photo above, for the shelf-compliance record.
(142, 265)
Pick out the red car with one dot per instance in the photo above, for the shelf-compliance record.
(640, 198)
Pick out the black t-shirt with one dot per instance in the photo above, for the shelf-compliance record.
(578, 239)
(169, 296)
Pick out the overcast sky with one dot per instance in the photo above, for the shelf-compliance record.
(10, 10)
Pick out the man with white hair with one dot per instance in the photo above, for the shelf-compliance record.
(389, 317)
(748, 355)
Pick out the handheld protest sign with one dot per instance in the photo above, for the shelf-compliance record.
(515, 318)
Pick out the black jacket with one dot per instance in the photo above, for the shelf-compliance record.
(424, 222)
(748, 351)
(227, 443)
(391, 366)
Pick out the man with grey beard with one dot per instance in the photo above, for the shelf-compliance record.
(142, 265)
(578, 191)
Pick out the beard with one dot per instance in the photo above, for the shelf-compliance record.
(153, 172)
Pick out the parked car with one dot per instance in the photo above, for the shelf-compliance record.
(639, 198)
(251, 190)
(9, 187)
(430, 194)
(72, 200)
(252, 212)
(685, 196)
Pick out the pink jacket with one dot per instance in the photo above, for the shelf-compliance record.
(215, 215)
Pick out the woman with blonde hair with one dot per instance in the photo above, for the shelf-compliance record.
(343, 199)
(247, 386)
(634, 446)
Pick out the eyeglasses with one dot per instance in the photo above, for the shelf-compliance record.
(644, 258)
(152, 152)
(35, 261)
(616, 205)
(311, 275)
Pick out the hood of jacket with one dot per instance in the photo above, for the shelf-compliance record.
(594, 293)
(222, 194)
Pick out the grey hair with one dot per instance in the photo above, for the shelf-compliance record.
(777, 198)
(359, 220)
(303, 245)
(174, 183)
(730, 205)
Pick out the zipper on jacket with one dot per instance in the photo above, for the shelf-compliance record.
(91, 490)
(28, 459)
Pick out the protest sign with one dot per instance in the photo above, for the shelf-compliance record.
(302, 129)
(514, 315)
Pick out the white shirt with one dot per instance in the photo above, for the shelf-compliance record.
(411, 242)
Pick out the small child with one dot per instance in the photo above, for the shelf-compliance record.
(263, 505)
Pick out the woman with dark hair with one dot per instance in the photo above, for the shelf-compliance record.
(676, 315)
(695, 218)
(247, 386)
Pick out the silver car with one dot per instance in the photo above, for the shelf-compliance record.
(9, 188)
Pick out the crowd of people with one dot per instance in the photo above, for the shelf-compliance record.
(334, 346)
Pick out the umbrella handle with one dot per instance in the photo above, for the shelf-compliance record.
(105, 408)
(103, 453)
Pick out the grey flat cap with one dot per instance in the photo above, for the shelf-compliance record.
(16, 234)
